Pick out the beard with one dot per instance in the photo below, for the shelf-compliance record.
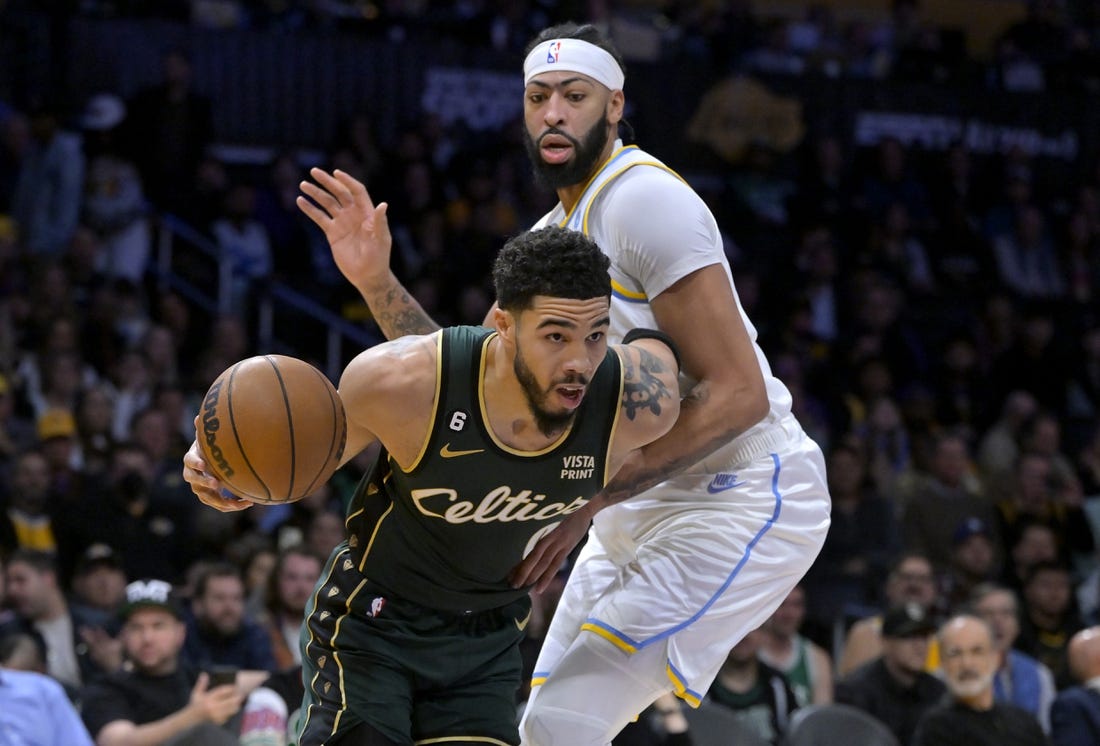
(547, 422)
(586, 154)
(970, 685)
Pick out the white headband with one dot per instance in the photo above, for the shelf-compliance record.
(575, 56)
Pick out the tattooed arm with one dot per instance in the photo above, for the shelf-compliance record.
(358, 234)
(651, 396)
(700, 314)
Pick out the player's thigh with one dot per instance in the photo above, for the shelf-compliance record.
(479, 710)
(593, 574)
(594, 691)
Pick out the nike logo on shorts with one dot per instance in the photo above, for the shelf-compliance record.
(523, 625)
(446, 452)
(722, 482)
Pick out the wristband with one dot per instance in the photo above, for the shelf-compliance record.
(642, 333)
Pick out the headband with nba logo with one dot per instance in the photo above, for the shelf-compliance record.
(577, 56)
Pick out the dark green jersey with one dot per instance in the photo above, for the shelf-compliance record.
(445, 533)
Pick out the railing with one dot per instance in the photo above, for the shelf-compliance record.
(219, 300)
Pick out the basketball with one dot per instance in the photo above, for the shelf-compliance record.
(272, 429)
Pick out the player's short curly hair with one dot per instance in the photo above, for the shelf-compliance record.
(554, 262)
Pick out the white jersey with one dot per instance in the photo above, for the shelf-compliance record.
(625, 209)
(671, 579)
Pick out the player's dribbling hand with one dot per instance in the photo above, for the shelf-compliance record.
(207, 488)
(357, 231)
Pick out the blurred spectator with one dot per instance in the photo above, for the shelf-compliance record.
(26, 521)
(959, 386)
(56, 345)
(1020, 679)
(911, 580)
(23, 651)
(1033, 542)
(808, 668)
(945, 498)
(114, 200)
(1080, 258)
(972, 717)
(94, 417)
(1033, 361)
(1075, 716)
(282, 221)
(892, 180)
(1049, 618)
(324, 531)
(288, 591)
(887, 444)
(894, 251)
(57, 437)
(999, 447)
(975, 559)
(119, 511)
(16, 431)
(35, 592)
(37, 712)
(157, 699)
(244, 243)
(758, 694)
(46, 203)
(1027, 262)
(15, 143)
(1039, 497)
(894, 687)
(862, 539)
(155, 432)
(218, 632)
(168, 128)
(99, 583)
(1088, 464)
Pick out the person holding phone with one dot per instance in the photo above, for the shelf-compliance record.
(157, 699)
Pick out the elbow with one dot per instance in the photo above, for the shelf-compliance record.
(748, 405)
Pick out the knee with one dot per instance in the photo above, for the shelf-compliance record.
(545, 725)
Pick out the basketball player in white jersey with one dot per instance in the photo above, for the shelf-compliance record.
(702, 533)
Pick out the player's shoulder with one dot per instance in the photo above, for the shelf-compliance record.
(391, 367)
(645, 189)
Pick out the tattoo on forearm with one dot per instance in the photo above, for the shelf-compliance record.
(398, 313)
(647, 391)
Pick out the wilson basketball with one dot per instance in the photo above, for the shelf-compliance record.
(272, 428)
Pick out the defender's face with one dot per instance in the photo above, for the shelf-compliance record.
(559, 343)
(569, 119)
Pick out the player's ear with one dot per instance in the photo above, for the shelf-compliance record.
(504, 322)
(615, 104)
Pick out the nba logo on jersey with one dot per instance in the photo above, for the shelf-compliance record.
(376, 606)
(553, 51)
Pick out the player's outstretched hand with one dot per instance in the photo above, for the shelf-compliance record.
(358, 233)
(207, 488)
(540, 566)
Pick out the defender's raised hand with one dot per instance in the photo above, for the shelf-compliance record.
(357, 231)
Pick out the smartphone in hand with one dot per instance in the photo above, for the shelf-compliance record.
(221, 675)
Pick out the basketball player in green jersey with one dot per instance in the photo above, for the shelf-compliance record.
(491, 437)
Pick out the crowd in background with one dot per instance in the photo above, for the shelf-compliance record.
(936, 316)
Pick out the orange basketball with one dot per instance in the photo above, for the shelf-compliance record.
(272, 428)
